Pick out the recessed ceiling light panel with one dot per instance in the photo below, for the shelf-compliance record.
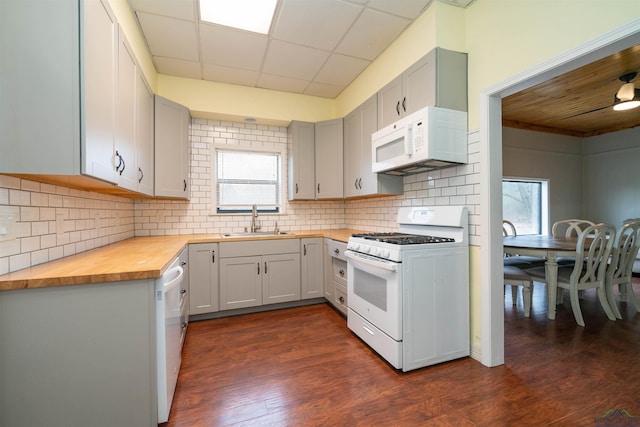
(250, 15)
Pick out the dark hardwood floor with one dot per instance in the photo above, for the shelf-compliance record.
(303, 367)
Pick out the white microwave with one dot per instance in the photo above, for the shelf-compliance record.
(430, 138)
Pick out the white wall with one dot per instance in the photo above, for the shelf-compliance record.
(612, 176)
(558, 158)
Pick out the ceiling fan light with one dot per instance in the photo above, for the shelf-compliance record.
(627, 105)
(626, 92)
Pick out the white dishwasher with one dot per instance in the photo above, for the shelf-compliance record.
(168, 332)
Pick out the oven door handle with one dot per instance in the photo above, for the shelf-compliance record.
(370, 261)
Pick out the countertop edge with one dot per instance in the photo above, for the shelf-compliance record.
(135, 258)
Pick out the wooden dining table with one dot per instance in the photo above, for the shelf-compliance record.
(544, 246)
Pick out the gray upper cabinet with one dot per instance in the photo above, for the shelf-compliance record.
(438, 79)
(302, 170)
(144, 135)
(65, 81)
(171, 149)
(329, 159)
(359, 181)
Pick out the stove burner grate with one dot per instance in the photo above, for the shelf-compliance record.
(403, 239)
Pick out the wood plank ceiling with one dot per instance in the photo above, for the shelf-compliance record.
(578, 103)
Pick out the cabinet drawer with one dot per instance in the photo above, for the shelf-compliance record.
(340, 300)
(339, 269)
(336, 249)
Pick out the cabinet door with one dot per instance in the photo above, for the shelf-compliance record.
(281, 278)
(98, 43)
(125, 146)
(353, 160)
(311, 268)
(203, 278)
(241, 282)
(419, 83)
(171, 148)
(390, 102)
(144, 135)
(302, 171)
(328, 269)
(329, 159)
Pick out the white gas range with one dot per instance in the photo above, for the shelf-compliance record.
(408, 291)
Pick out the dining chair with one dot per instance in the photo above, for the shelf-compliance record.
(569, 228)
(620, 268)
(589, 271)
(515, 276)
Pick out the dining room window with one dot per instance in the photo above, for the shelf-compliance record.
(525, 204)
(245, 178)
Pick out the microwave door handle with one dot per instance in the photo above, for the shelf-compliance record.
(408, 142)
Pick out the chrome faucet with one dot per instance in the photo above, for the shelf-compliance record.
(255, 224)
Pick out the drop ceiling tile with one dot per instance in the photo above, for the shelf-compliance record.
(290, 60)
(232, 48)
(407, 8)
(180, 42)
(178, 67)
(229, 75)
(268, 81)
(181, 9)
(361, 42)
(340, 70)
(314, 23)
(323, 90)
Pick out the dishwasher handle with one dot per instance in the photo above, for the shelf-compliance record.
(178, 271)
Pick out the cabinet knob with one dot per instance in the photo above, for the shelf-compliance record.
(336, 250)
(341, 272)
(183, 291)
(183, 263)
(341, 299)
(184, 325)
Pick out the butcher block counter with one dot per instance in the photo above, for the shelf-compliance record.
(131, 259)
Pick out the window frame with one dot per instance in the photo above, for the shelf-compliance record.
(270, 209)
(544, 200)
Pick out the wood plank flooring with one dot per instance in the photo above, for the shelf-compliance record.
(303, 367)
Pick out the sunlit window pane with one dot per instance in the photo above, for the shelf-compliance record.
(522, 205)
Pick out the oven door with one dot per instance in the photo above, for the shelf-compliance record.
(374, 291)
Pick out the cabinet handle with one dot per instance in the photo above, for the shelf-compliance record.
(123, 165)
(296, 188)
(398, 108)
(404, 104)
(341, 273)
(304, 252)
(141, 175)
(258, 268)
(336, 250)
(183, 291)
(360, 183)
(184, 325)
(318, 188)
(265, 267)
(213, 257)
(120, 163)
(183, 263)
(355, 184)
(185, 185)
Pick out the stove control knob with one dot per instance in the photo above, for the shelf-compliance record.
(365, 249)
(386, 253)
(375, 251)
(354, 246)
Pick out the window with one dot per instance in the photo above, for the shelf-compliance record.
(245, 178)
(524, 203)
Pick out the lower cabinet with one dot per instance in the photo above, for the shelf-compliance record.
(203, 278)
(260, 272)
(335, 276)
(312, 276)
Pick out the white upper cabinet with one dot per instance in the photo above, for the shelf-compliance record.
(125, 144)
(315, 160)
(438, 79)
(57, 109)
(144, 135)
(329, 159)
(171, 149)
(302, 170)
(359, 181)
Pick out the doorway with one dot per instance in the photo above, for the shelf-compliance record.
(492, 298)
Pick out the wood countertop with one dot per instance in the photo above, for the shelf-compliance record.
(131, 259)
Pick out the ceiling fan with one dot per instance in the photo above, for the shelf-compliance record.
(626, 98)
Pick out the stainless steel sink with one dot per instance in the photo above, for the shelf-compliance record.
(256, 234)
